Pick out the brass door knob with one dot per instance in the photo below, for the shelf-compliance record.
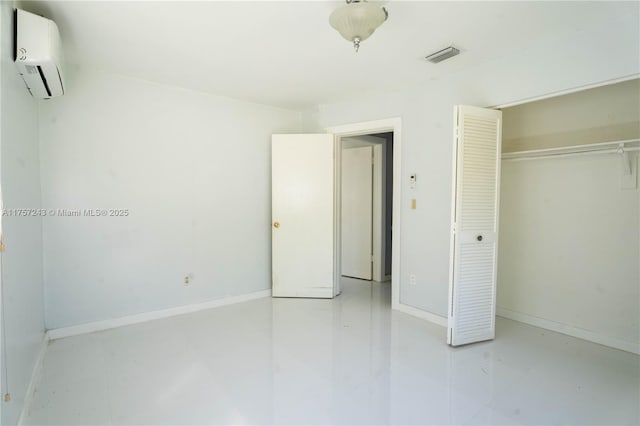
(276, 224)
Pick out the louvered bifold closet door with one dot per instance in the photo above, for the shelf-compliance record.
(472, 293)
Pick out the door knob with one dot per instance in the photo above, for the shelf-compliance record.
(276, 224)
(479, 237)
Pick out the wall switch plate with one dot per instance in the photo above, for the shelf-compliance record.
(412, 279)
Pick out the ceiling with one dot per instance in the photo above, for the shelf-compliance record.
(285, 53)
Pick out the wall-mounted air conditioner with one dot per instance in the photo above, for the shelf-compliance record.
(38, 54)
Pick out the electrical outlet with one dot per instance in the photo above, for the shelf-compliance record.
(187, 279)
(412, 279)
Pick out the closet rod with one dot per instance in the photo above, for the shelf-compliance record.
(571, 151)
(571, 154)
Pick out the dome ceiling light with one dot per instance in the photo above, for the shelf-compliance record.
(357, 20)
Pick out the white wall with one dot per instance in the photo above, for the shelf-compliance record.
(427, 123)
(570, 244)
(192, 169)
(22, 262)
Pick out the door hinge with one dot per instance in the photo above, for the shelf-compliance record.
(371, 258)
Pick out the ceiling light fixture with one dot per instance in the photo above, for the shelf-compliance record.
(357, 20)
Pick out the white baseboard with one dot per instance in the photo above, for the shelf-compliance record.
(569, 330)
(35, 378)
(436, 319)
(59, 333)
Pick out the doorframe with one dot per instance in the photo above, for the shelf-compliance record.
(361, 129)
(564, 92)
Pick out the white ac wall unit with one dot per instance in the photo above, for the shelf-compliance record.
(38, 54)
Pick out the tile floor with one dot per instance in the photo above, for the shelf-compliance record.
(350, 360)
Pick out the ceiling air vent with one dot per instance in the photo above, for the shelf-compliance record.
(441, 55)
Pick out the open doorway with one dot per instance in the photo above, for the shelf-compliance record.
(366, 206)
(306, 206)
(390, 128)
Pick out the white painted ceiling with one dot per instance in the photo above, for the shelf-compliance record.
(285, 53)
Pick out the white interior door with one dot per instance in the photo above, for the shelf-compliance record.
(302, 179)
(357, 212)
(472, 290)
